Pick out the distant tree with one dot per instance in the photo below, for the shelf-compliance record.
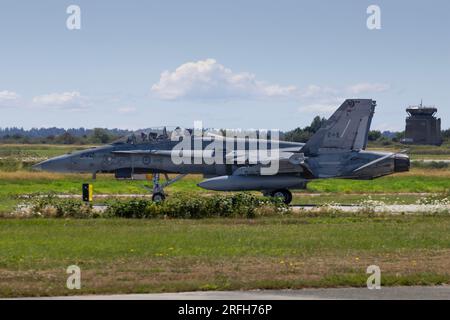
(374, 135)
(297, 135)
(66, 138)
(316, 124)
(446, 135)
(398, 136)
(303, 135)
(100, 136)
(385, 141)
(59, 135)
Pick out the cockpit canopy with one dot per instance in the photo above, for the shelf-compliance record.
(152, 135)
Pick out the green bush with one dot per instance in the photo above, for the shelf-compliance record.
(243, 205)
(70, 208)
(135, 208)
(184, 207)
(51, 207)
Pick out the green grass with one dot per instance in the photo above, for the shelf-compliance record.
(14, 157)
(388, 184)
(170, 255)
(37, 150)
(54, 241)
(430, 157)
(71, 184)
(417, 152)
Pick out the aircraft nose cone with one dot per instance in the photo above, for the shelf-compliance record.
(58, 164)
(43, 166)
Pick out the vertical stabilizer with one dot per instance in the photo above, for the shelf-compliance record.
(347, 129)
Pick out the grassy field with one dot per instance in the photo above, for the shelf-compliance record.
(418, 152)
(15, 157)
(37, 150)
(176, 255)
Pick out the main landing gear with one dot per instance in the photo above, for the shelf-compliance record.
(284, 194)
(158, 187)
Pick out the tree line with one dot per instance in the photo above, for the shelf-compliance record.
(103, 135)
(60, 135)
(374, 136)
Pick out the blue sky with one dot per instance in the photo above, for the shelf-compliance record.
(233, 64)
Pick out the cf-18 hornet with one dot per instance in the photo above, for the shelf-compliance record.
(336, 150)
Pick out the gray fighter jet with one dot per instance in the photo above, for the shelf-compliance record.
(336, 150)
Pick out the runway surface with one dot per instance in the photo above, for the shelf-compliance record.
(433, 160)
(380, 208)
(387, 293)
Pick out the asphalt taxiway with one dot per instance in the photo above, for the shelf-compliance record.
(385, 293)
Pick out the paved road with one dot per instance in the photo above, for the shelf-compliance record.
(433, 160)
(390, 293)
(381, 208)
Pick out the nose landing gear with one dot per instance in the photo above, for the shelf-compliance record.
(158, 197)
(158, 187)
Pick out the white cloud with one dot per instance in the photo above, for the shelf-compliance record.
(318, 108)
(314, 91)
(367, 88)
(126, 109)
(8, 98)
(8, 95)
(320, 100)
(207, 79)
(73, 101)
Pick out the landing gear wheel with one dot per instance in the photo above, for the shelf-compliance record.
(284, 194)
(157, 190)
(158, 197)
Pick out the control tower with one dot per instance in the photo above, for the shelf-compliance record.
(422, 127)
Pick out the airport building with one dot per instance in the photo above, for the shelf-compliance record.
(422, 127)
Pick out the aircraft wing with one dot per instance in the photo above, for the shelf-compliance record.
(167, 153)
(155, 152)
(285, 152)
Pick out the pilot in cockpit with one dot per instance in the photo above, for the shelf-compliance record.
(132, 139)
